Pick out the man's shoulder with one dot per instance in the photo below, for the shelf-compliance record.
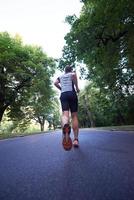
(67, 75)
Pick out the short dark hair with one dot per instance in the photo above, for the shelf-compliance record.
(68, 69)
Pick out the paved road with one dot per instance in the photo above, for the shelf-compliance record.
(37, 168)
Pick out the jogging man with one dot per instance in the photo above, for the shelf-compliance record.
(68, 85)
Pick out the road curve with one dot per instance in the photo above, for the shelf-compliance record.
(37, 167)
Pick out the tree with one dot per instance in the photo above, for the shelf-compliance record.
(54, 117)
(103, 109)
(103, 38)
(44, 108)
(86, 117)
(25, 73)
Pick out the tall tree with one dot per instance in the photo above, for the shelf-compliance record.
(103, 38)
(24, 71)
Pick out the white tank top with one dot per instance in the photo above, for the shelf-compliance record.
(66, 82)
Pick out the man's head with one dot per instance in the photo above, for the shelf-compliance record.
(68, 69)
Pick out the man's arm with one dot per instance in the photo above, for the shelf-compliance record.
(57, 84)
(75, 81)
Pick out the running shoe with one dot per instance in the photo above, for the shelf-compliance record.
(67, 142)
(76, 143)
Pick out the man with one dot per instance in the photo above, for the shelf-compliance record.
(68, 84)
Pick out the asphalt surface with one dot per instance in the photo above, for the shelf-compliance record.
(38, 168)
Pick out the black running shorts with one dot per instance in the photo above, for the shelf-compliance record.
(69, 101)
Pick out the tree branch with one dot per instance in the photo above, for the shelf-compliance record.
(108, 38)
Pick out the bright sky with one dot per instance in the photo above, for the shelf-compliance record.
(39, 22)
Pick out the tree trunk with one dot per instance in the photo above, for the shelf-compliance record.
(41, 120)
(2, 110)
(120, 119)
(42, 126)
(1, 115)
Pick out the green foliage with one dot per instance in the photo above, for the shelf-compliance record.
(25, 80)
(54, 116)
(107, 110)
(44, 109)
(103, 38)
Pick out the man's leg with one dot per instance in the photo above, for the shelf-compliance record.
(75, 124)
(65, 118)
(66, 129)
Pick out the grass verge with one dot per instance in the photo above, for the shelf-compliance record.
(13, 135)
(117, 128)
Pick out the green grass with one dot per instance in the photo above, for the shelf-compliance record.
(117, 128)
(12, 135)
(5, 131)
(9, 130)
(4, 134)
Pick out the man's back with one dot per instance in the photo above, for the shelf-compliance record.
(66, 82)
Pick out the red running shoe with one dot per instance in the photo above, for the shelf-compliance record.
(67, 142)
